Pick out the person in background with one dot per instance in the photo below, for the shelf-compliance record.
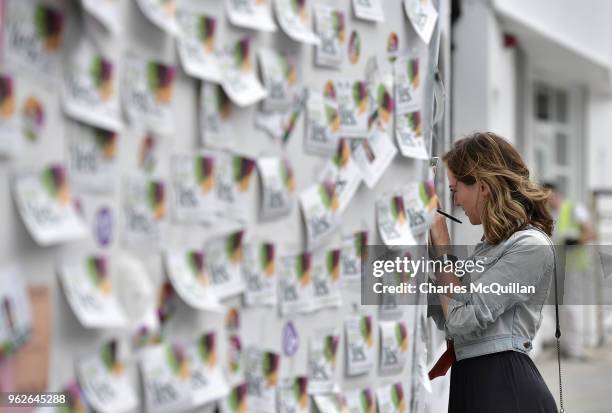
(573, 229)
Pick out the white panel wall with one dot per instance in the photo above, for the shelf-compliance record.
(585, 27)
(261, 327)
(599, 130)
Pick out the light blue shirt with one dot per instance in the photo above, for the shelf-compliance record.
(483, 322)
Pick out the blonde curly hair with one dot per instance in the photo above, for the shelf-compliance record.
(515, 201)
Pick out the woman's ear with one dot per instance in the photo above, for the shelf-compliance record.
(484, 189)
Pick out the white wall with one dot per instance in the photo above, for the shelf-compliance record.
(584, 26)
(599, 130)
(470, 96)
(262, 327)
(484, 86)
(501, 84)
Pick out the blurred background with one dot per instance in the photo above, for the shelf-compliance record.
(539, 74)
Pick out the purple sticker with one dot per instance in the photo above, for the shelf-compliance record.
(104, 226)
(291, 339)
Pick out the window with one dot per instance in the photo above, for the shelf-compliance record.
(557, 146)
(561, 106)
(542, 103)
(561, 148)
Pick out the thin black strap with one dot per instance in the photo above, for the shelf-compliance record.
(557, 324)
(558, 331)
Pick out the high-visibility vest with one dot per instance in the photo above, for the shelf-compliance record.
(576, 258)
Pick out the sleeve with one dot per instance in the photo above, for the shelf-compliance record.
(434, 310)
(581, 214)
(522, 263)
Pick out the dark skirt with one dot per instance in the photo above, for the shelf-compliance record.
(499, 382)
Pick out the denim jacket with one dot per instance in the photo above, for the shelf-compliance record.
(482, 323)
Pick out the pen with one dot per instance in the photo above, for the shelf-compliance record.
(449, 216)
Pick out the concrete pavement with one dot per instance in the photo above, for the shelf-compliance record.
(587, 385)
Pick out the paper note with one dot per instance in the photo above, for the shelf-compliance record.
(251, 14)
(46, 206)
(197, 45)
(90, 90)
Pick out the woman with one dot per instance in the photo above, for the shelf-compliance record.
(492, 333)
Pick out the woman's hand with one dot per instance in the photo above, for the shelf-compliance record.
(438, 231)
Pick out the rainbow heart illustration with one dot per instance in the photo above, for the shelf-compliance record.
(333, 118)
(232, 319)
(234, 246)
(328, 194)
(392, 43)
(146, 154)
(302, 267)
(49, 24)
(205, 172)
(330, 346)
(329, 90)
(289, 68)
(242, 56)
(366, 399)
(299, 8)
(354, 49)
(365, 327)
(237, 399)
(206, 32)
(401, 335)
(360, 96)
(414, 121)
(300, 391)
(270, 366)
(161, 79)
(97, 270)
(156, 199)
(413, 72)
(397, 209)
(333, 264)
(385, 103)
(196, 262)
(165, 306)
(224, 104)
(33, 118)
(338, 24)
(286, 173)
(343, 153)
(266, 256)
(242, 169)
(55, 182)
(234, 353)
(361, 243)
(7, 98)
(177, 360)
(107, 141)
(397, 397)
(102, 73)
(207, 347)
(110, 358)
(427, 193)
